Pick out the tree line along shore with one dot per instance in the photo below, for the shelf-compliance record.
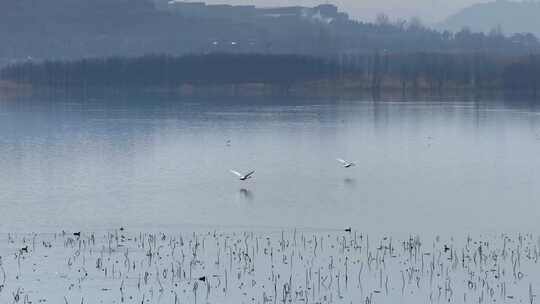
(282, 74)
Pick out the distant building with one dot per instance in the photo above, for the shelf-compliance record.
(202, 10)
(324, 13)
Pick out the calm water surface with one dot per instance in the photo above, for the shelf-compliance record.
(154, 162)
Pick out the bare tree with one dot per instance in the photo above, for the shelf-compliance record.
(382, 19)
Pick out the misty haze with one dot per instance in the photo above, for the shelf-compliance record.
(269, 151)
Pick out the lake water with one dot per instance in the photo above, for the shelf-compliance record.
(163, 162)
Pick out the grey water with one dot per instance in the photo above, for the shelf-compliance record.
(163, 162)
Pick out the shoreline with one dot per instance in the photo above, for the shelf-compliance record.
(318, 89)
(14, 89)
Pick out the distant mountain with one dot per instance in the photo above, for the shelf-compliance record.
(72, 29)
(65, 29)
(509, 16)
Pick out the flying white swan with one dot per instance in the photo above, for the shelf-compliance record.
(346, 164)
(243, 177)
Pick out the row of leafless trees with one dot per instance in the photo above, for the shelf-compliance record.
(378, 70)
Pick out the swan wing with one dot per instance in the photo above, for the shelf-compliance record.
(236, 173)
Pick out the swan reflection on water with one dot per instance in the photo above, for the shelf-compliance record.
(350, 182)
(246, 194)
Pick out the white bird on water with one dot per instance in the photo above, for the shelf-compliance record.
(243, 177)
(346, 164)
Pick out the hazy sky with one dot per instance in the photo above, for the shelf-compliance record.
(429, 11)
